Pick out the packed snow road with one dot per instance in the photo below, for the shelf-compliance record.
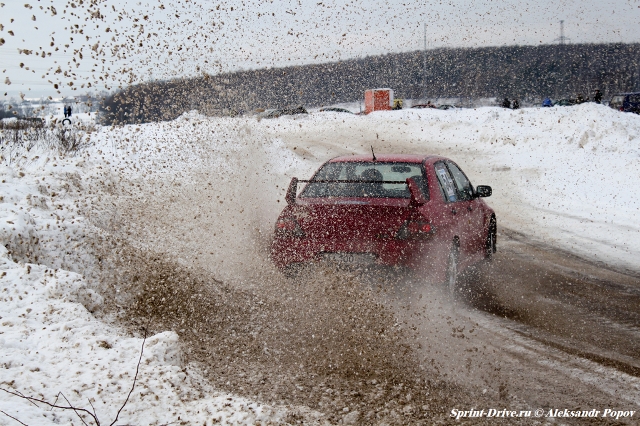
(538, 327)
(184, 211)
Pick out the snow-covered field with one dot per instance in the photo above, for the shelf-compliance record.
(565, 177)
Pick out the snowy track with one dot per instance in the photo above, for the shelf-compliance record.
(191, 204)
(521, 332)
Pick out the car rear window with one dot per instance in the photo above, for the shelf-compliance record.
(634, 99)
(362, 180)
(616, 101)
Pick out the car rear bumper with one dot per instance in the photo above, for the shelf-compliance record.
(385, 252)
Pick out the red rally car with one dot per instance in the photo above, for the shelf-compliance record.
(413, 211)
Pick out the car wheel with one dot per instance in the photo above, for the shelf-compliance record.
(292, 270)
(452, 270)
(490, 242)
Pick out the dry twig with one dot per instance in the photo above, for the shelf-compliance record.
(9, 415)
(134, 378)
(77, 410)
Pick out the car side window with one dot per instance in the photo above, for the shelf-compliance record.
(446, 183)
(463, 186)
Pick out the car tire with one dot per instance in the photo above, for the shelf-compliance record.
(292, 271)
(452, 270)
(490, 246)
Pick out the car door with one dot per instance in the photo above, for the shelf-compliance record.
(449, 217)
(468, 210)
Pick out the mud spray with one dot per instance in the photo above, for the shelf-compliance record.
(187, 250)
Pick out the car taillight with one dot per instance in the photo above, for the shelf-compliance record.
(414, 229)
(288, 226)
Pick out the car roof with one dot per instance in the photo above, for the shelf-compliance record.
(399, 158)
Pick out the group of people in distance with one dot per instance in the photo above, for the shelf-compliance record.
(597, 98)
(67, 111)
(512, 105)
(547, 102)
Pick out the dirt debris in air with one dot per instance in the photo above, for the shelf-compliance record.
(322, 340)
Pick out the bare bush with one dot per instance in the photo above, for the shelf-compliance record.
(22, 124)
(22, 135)
(69, 139)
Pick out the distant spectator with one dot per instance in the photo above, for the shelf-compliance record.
(69, 110)
(547, 103)
(66, 113)
(516, 104)
(597, 97)
(506, 103)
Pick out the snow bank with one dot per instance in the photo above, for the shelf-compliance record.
(51, 343)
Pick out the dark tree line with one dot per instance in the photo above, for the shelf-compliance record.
(524, 72)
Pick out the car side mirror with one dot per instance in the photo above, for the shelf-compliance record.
(292, 191)
(417, 197)
(483, 191)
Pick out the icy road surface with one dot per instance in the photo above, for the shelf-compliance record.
(167, 226)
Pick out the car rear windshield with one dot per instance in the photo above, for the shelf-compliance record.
(616, 101)
(364, 179)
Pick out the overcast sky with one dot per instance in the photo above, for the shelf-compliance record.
(117, 43)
